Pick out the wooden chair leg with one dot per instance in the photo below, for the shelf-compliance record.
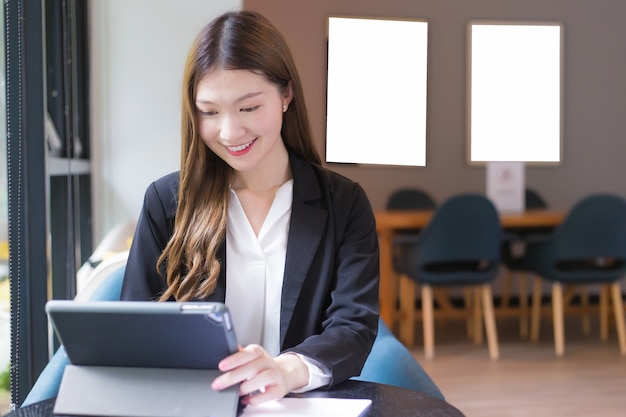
(490, 322)
(523, 306)
(584, 302)
(557, 315)
(604, 312)
(428, 321)
(536, 310)
(406, 331)
(467, 305)
(618, 308)
(476, 319)
(506, 289)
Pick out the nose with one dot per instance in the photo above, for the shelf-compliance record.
(231, 128)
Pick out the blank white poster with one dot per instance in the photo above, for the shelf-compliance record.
(515, 92)
(376, 97)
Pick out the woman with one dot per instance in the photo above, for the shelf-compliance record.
(253, 220)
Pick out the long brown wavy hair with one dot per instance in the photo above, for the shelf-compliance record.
(241, 40)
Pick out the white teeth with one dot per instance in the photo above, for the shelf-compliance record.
(240, 147)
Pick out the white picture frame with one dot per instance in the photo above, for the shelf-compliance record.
(515, 92)
(376, 91)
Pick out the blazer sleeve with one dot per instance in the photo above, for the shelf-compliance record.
(142, 282)
(349, 276)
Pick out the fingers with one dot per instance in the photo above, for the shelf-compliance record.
(273, 392)
(256, 372)
(239, 367)
(244, 356)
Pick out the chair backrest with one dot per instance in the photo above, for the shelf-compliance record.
(391, 363)
(595, 228)
(410, 198)
(533, 200)
(464, 229)
(106, 285)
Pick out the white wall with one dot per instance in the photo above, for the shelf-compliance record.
(138, 50)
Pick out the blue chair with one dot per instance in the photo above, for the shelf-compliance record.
(589, 247)
(388, 363)
(460, 247)
(391, 363)
(107, 288)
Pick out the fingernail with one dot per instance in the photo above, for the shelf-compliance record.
(217, 384)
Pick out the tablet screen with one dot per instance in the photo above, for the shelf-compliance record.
(149, 334)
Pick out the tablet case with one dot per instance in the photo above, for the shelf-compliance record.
(137, 359)
(158, 392)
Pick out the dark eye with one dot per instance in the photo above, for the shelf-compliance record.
(249, 109)
(207, 113)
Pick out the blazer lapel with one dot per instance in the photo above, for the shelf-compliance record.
(306, 229)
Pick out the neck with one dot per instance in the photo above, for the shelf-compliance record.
(273, 173)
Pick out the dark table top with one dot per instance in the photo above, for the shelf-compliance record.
(387, 401)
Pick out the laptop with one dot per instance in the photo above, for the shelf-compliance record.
(142, 358)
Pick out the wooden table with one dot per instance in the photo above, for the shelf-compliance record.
(389, 222)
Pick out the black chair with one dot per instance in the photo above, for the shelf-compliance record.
(533, 200)
(513, 250)
(407, 199)
(589, 247)
(410, 199)
(460, 247)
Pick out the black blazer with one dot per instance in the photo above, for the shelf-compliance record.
(329, 308)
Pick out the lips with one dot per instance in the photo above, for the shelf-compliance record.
(240, 149)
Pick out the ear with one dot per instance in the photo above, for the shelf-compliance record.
(288, 94)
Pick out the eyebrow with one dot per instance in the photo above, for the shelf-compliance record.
(242, 98)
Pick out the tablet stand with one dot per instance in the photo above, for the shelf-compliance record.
(139, 392)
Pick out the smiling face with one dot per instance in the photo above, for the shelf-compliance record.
(239, 116)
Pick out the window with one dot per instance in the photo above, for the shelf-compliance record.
(5, 318)
(48, 185)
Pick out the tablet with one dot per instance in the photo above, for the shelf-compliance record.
(188, 335)
(143, 358)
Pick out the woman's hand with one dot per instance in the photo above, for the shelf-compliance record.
(261, 377)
